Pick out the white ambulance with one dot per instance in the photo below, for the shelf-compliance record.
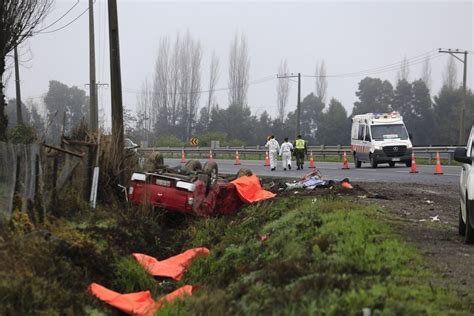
(380, 138)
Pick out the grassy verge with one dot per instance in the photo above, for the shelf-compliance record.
(298, 256)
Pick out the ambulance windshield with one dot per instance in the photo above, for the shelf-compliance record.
(392, 131)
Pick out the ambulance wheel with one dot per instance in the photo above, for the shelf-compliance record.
(210, 168)
(357, 162)
(391, 164)
(373, 162)
(193, 165)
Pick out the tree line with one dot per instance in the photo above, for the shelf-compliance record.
(177, 104)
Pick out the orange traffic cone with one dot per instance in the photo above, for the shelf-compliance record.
(237, 158)
(210, 154)
(438, 164)
(345, 163)
(311, 161)
(413, 163)
(267, 160)
(183, 158)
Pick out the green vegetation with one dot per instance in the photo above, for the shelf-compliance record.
(292, 255)
(22, 134)
(306, 256)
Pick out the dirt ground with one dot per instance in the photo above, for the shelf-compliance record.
(412, 212)
(412, 208)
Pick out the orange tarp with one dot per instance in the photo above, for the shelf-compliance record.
(250, 190)
(139, 303)
(173, 267)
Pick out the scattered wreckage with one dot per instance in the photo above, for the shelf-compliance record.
(195, 189)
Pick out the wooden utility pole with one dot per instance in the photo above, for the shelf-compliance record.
(462, 113)
(115, 79)
(93, 110)
(19, 117)
(298, 106)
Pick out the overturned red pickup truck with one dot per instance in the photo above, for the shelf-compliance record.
(195, 189)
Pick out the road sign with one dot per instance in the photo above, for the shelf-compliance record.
(194, 141)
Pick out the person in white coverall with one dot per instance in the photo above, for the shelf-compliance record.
(273, 149)
(285, 152)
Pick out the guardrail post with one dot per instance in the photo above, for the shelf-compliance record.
(322, 150)
(339, 151)
(450, 158)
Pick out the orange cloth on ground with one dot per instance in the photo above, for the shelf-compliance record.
(139, 303)
(250, 190)
(173, 267)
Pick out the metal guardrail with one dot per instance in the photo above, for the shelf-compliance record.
(424, 152)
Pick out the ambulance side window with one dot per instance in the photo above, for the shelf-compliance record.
(367, 134)
(361, 132)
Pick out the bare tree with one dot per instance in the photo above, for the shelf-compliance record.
(213, 78)
(145, 107)
(195, 85)
(239, 66)
(176, 85)
(18, 20)
(283, 89)
(404, 71)
(426, 72)
(159, 112)
(321, 81)
(450, 74)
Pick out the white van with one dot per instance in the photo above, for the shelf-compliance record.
(380, 138)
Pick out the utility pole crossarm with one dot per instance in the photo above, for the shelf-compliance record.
(453, 53)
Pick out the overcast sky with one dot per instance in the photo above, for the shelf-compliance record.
(349, 36)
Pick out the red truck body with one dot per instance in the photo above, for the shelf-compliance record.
(181, 194)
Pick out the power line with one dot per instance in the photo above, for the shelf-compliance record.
(66, 25)
(393, 66)
(254, 82)
(60, 18)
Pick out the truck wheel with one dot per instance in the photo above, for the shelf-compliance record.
(210, 168)
(391, 164)
(158, 161)
(408, 164)
(193, 165)
(469, 237)
(373, 162)
(357, 162)
(244, 172)
(461, 225)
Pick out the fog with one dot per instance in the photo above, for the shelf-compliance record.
(349, 37)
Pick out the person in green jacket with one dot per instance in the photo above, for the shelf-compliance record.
(300, 150)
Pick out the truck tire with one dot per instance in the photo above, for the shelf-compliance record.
(244, 172)
(373, 162)
(211, 169)
(469, 237)
(193, 165)
(408, 164)
(357, 162)
(461, 225)
(391, 164)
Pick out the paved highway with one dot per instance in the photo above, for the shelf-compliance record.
(333, 170)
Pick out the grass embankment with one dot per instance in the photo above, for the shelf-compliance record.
(293, 255)
(298, 256)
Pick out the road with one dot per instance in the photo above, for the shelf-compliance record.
(333, 170)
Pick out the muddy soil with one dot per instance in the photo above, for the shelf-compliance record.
(426, 216)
